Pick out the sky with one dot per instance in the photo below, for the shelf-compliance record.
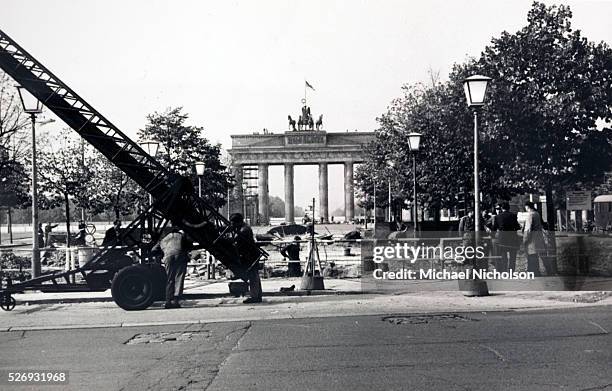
(239, 66)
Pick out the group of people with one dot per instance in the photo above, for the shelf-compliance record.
(503, 227)
(176, 246)
(44, 235)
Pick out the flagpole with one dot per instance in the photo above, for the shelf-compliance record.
(305, 100)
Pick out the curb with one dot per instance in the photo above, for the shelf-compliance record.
(194, 296)
(241, 319)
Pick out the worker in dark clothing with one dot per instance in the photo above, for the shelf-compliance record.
(292, 252)
(175, 247)
(48, 228)
(79, 239)
(112, 236)
(505, 225)
(40, 236)
(249, 254)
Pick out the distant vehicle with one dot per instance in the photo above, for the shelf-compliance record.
(289, 231)
(602, 208)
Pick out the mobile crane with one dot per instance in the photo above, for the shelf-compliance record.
(135, 282)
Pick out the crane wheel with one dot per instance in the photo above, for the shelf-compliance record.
(7, 302)
(133, 288)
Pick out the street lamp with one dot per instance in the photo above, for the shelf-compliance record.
(414, 142)
(374, 222)
(475, 88)
(475, 92)
(150, 147)
(200, 166)
(31, 105)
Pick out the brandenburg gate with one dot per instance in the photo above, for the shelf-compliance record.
(305, 147)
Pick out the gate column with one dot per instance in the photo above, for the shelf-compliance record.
(289, 211)
(323, 193)
(349, 198)
(262, 192)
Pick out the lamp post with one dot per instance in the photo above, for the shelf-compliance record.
(200, 167)
(374, 221)
(475, 88)
(414, 142)
(150, 147)
(475, 92)
(33, 106)
(391, 165)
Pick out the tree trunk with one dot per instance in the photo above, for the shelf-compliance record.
(550, 209)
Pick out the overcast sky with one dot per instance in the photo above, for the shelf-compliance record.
(239, 66)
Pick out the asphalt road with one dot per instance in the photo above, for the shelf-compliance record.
(547, 350)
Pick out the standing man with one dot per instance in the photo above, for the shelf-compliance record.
(249, 255)
(466, 228)
(40, 236)
(533, 239)
(48, 228)
(79, 239)
(112, 236)
(175, 247)
(505, 225)
(292, 251)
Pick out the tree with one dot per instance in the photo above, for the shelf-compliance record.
(277, 207)
(114, 190)
(63, 175)
(181, 146)
(445, 157)
(538, 131)
(551, 86)
(13, 175)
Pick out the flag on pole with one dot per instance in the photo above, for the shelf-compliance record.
(308, 85)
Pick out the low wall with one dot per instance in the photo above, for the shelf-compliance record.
(584, 255)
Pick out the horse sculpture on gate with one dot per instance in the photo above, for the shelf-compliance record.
(291, 123)
(319, 123)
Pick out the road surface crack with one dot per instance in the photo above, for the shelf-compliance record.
(599, 327)
(216, 371)
(497, 354)
(596, 388)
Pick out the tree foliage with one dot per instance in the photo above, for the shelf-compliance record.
(181, 146)
(64, 173)
(537, 132)
(551, 86)
(114, 191)
(13, 122)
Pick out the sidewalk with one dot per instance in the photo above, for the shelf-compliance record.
(199, 289)
(342, 298)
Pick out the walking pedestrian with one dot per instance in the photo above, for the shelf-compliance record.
(467, 229)
(505, 225)
(533, 239)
